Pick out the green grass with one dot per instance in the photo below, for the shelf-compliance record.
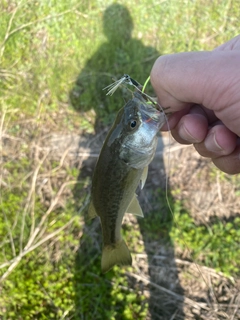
(58, 43)
(55, 58)
(215, 245)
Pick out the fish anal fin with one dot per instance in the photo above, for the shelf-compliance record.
(117, 254)
(134, 207)
(91, 211)
(143, 177)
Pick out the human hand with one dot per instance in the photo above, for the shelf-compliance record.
(202, 90)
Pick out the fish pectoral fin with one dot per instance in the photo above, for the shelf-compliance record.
(115, 254)
(143, 177)
(91, 211)
(134, 207)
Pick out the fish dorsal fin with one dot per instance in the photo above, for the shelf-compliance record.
(134, 207)
(91, 211)
(144, 177)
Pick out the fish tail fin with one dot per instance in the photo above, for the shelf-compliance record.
(115, 254)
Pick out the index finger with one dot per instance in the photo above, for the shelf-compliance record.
(177, 79)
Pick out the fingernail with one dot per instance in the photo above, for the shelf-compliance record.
(185, 135)
(211, 143)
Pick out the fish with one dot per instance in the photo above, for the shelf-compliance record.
(122, 165)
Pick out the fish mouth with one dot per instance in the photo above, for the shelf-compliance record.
(151, 115)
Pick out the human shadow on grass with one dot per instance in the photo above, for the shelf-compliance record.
(155, 230)
(120, 54)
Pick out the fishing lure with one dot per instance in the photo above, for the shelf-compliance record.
(124, 79)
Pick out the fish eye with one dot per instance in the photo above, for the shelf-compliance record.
(133, 123)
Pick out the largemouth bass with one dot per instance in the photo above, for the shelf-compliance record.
(123, 164)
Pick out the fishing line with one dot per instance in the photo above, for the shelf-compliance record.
(145, 84)
(198, 267)
(167, 198)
